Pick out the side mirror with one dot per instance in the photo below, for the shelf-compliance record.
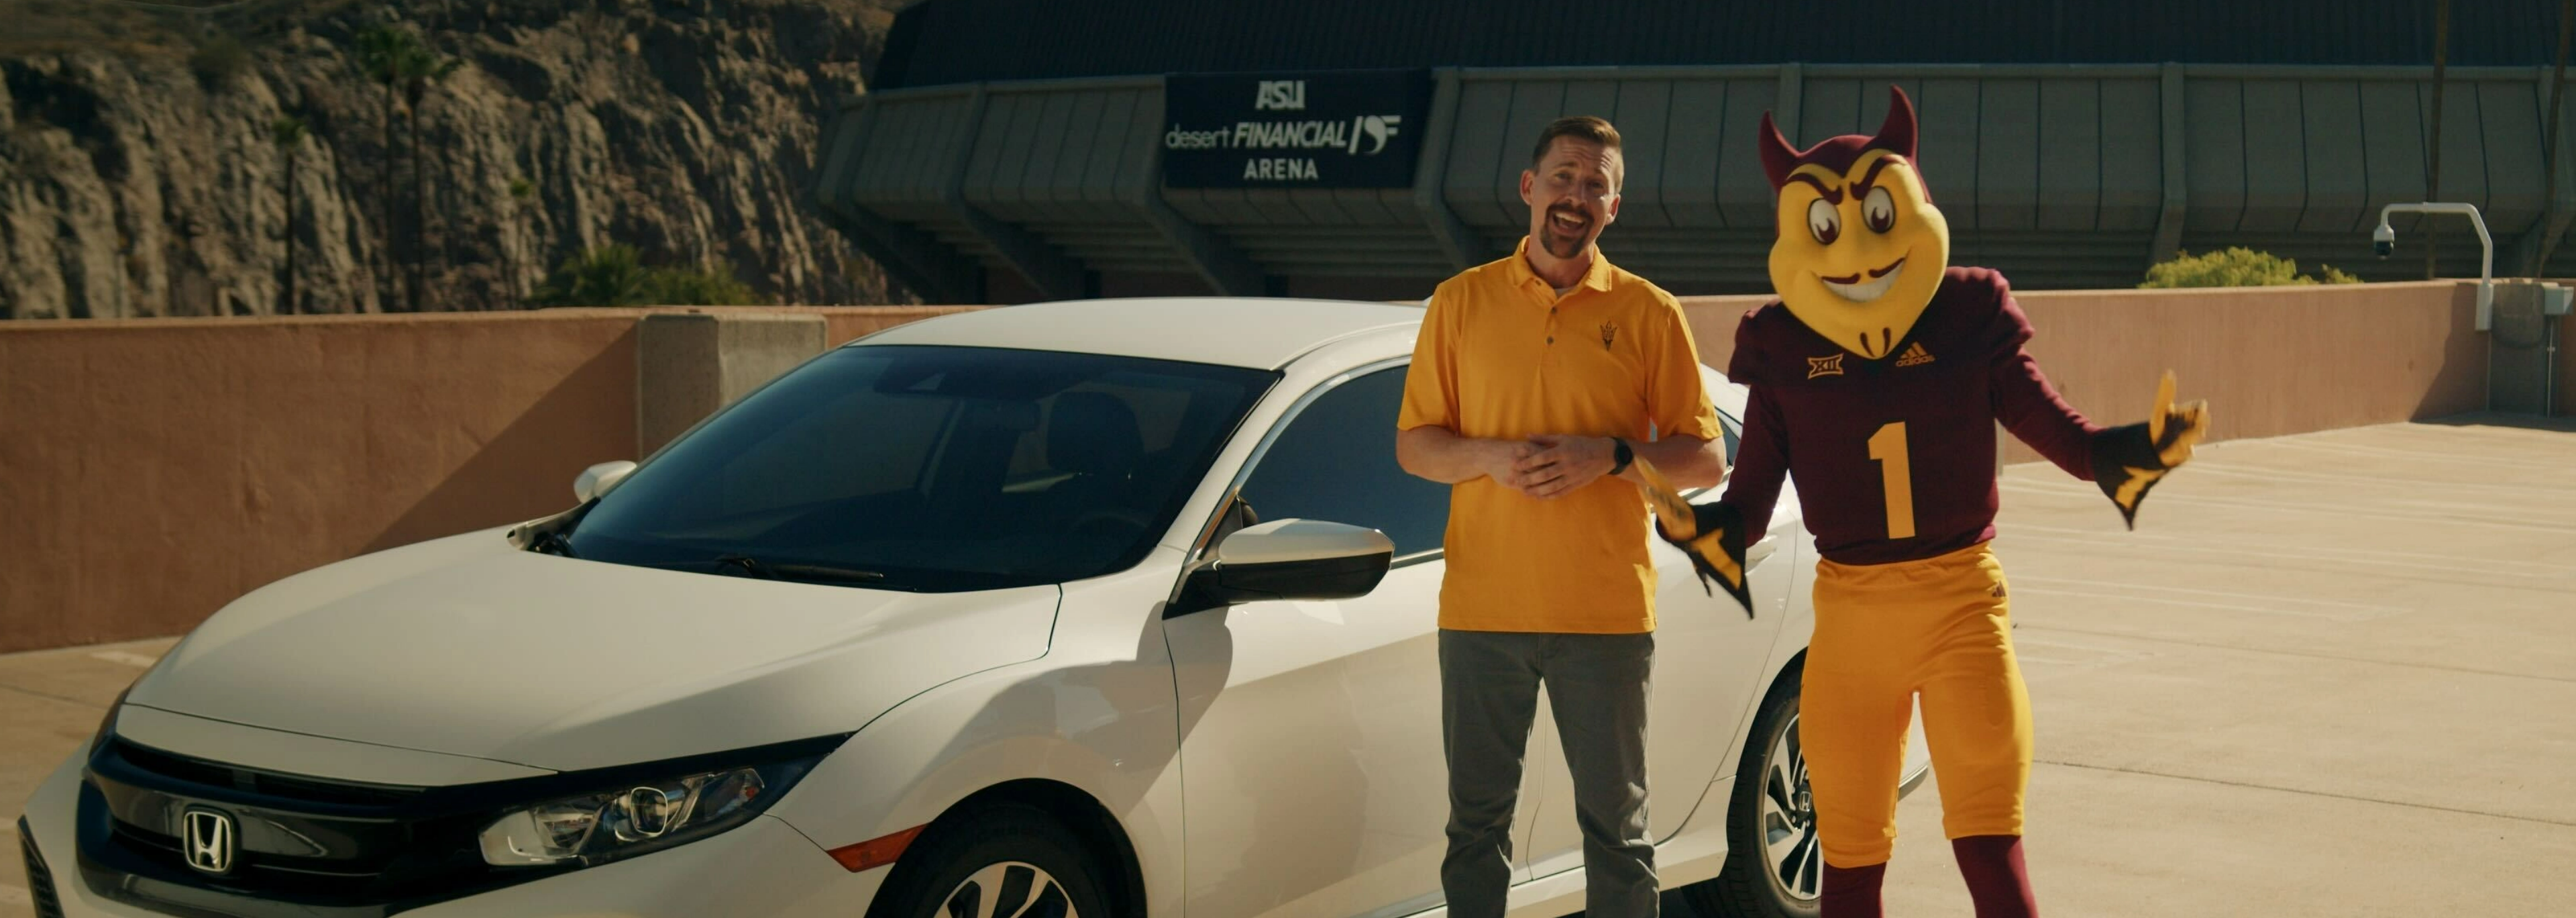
(1289, 559)
(596, 480)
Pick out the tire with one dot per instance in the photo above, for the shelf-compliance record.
(1002, 861)
(1764, 829)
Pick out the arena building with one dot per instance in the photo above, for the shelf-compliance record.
(1013, 150)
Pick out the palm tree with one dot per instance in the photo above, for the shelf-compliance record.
(522, 193)
(381, 51)
(419, 65)
(288, 133)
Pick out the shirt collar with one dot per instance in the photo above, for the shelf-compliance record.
(1598, 278)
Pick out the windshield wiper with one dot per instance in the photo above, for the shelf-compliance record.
(808, 572)
(554, 543)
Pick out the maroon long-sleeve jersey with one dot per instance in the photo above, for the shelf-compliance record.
(1895, 458)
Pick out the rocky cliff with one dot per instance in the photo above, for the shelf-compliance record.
(141, 173)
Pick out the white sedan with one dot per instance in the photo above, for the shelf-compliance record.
(1111, 608)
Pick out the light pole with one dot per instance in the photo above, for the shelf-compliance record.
(2384, 241)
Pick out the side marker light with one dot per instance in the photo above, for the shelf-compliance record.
(876, 852)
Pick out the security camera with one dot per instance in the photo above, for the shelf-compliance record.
(2384, 240)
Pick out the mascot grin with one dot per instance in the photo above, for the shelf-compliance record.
(1874, 247)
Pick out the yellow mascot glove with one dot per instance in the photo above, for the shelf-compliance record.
(1712, 534)
(2128, 461)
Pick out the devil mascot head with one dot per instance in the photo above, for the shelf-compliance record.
(1861, 247)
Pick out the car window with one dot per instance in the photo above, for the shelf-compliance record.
(931, 468)
(1336, 462)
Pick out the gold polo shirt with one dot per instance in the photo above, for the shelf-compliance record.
(1502, 356)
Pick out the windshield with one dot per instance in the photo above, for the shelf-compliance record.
(930, 469)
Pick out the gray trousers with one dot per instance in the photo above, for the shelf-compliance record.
(1596, 686)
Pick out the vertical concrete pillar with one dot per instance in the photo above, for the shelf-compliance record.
(2519, 357)
(2563, 404)
(688, 364)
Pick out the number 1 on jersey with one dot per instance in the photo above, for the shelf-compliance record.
(1896, 477)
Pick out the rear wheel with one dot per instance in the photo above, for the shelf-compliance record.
(1005, 861)
(1774, 864)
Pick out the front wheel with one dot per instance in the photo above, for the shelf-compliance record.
(1774, 864)
(1006, 861)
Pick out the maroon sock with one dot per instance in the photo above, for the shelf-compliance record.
(1997, 880)
(1852, 893)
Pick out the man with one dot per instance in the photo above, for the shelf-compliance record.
(1539, 383)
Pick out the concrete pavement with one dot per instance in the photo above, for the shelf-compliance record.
(50, 703)
(2330, 674)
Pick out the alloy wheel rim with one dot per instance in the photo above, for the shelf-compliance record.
(1011, 889)
(1794, 859)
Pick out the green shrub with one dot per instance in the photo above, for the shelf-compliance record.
(611, 275)
(615, 275)
(684, 287)
(2236, 267)
(219, 60)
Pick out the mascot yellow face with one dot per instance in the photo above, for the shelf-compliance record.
(1861, 248)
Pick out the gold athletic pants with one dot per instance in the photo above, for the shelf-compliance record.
(1884, 632)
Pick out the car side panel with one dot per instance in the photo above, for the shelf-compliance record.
(1312, 737)
(1096, 713)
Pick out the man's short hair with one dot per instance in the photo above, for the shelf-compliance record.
(1584, 127)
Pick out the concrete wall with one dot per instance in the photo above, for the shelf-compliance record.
(153, 470)
(2270, 360)
(2565, 401)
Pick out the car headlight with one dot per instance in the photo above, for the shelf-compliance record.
(633, 818)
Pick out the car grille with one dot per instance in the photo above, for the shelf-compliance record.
(266, 784)
(40, 881)
(331, 847)
(318, 848)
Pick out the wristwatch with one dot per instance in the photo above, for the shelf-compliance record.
(1620, 455)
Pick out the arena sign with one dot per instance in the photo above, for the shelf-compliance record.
(1338, 129)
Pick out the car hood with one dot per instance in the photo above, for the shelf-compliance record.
(467, 646)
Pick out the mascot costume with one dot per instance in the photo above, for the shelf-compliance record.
(1877, 378)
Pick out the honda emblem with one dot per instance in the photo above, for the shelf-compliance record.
(210, 841)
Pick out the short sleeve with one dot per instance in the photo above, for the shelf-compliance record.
(1676, 393)
(2006, 328)
(1744, 368)
(1431, 384)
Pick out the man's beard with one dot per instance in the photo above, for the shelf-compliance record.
(1551, 235)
